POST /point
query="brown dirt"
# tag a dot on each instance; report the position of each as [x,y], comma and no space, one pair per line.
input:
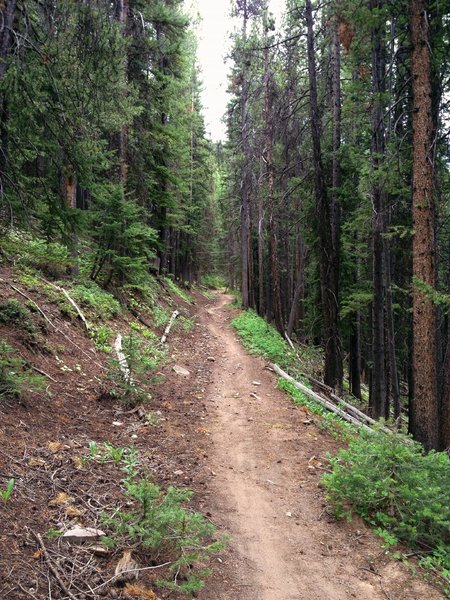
[253,463]
[267,460]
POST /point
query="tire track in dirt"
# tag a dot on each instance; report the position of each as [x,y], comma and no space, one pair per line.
[266,493]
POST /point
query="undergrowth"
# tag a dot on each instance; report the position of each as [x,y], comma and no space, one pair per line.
[16,314]
[51,258]
[143,356]
[15,378]
[395,486]
[177,290]
[336,427]
[158,523]
[264,340]
[101,304]
[214,281]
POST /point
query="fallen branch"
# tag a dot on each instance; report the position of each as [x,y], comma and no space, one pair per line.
[123,364]
[43,373]
[289,341]
[169,326]
[326,403]
[38,308]
[137,570]
[52,567]
[72,302]
[355,411]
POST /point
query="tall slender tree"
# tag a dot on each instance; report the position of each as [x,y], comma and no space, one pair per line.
[424,409]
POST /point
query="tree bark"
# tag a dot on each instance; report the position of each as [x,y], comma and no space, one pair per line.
[328,281]
[444,416]
[245,171]
[424,416]
[7,13]
[122,16]
[378,395]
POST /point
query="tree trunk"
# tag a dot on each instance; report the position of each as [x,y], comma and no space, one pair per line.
[328,282]
[424,418]
[245,172]
[378,396]
[122,17]
[444,416]
[390,333]
[336,181]
[7,20]
[297,312]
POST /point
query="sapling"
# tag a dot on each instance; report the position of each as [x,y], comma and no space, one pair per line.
[6,493]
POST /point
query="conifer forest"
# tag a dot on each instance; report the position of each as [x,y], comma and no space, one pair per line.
[319,228]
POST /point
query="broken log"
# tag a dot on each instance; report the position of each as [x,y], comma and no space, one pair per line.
[169,326]
[322,401]
[339,401]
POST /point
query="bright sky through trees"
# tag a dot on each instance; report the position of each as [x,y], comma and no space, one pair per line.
[213,45]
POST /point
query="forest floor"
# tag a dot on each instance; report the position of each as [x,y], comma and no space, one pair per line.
[253,460]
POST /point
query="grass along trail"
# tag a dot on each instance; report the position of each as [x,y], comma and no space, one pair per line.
[266,462]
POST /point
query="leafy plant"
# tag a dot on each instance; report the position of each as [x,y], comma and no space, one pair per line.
[52,533]
[6,493]
[395,486]
[185,324]
[101,336]
[261,338]
[52,258]
[160,316]
[101,304]
[214,282]
[143,357]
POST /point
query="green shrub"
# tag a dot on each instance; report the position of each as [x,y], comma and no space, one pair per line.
[390,482]
[101,336]
[160,524]
[15,378]
[214,282]
[143,356]
[51,258]
[175,289]
[13,312]
[160,316]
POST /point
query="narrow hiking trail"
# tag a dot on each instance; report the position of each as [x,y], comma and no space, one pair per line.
[266,460]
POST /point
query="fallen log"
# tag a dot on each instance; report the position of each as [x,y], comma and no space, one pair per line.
[123,364]
[72,302]
[322,401]
[355,411]
[169,326]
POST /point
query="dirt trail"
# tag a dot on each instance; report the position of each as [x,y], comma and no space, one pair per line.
[266,464]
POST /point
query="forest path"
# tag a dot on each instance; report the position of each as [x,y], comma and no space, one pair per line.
[266,467]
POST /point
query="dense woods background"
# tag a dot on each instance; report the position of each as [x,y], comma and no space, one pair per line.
[103,144]
[338,129]
[328,205]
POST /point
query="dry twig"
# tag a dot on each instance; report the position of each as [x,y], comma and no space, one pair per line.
[52,567]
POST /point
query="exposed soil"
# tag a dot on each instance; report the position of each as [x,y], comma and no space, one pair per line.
[267,460]
[253,460]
